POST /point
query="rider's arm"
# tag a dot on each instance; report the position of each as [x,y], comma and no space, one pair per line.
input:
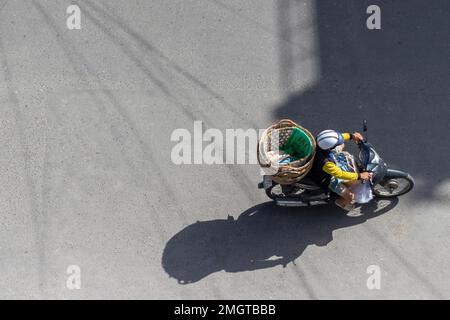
[332,169]
[353,136]
[347,136]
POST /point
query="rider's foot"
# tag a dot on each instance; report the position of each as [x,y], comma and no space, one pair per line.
[345,206]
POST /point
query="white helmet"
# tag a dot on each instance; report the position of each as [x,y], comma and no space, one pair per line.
[328,139]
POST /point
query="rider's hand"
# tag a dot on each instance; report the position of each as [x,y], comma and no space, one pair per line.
[357,136]
[365,175]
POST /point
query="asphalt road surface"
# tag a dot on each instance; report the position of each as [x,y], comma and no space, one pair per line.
[92,205]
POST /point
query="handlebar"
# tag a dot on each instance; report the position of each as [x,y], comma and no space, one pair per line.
[370,178]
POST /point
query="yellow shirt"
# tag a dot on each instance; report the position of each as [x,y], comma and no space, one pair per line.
[332,169]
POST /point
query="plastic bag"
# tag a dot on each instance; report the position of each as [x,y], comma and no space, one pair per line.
[363,191]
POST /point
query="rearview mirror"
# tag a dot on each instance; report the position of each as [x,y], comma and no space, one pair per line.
[364,125]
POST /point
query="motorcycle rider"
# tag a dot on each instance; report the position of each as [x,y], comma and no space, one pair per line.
[326,172]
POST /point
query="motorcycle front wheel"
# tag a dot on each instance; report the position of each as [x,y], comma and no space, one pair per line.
[393,187]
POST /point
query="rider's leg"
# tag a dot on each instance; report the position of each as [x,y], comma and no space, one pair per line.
[345,196]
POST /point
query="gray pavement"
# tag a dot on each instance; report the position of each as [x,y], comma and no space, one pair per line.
[87,178]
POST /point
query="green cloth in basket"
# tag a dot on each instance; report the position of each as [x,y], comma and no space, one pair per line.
[298,145]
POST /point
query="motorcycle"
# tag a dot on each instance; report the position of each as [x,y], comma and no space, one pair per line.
[385,182]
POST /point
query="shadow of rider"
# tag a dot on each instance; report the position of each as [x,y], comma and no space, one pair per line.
[263,236]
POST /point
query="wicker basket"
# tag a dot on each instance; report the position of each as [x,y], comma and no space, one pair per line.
[286,173]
